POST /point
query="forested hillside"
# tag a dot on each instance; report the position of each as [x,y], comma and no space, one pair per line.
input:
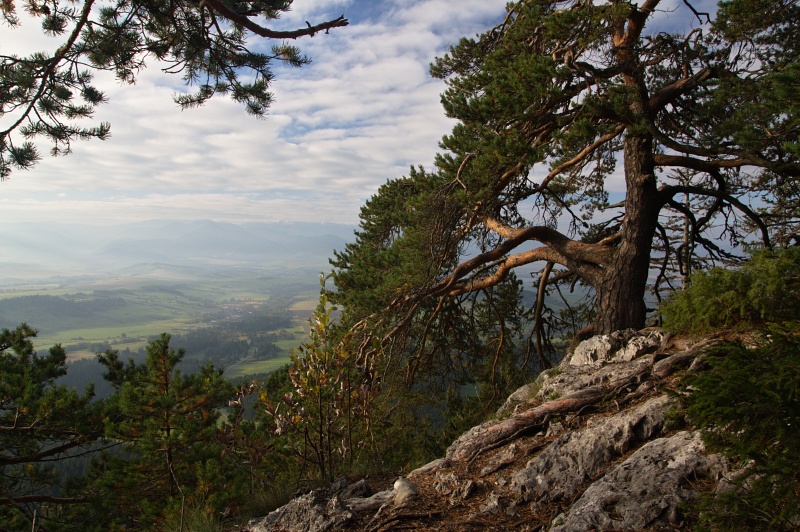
[631,164]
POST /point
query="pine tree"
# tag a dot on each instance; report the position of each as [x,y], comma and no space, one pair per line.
[551,105]
[209,43]
[168,424]
[41,423]
[437,347]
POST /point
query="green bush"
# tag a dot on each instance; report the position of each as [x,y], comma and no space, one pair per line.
[765,289]
[747,405]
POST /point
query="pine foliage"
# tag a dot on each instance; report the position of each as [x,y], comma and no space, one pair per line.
[51,95]
[746,399]
[764,289]
[748,406]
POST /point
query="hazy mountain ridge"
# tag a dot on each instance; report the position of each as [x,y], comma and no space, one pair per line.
[44,249]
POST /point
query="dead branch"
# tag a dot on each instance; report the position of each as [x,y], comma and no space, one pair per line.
[698,13]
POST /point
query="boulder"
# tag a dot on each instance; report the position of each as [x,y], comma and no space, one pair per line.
[564,466]
[315,511]
[645,490]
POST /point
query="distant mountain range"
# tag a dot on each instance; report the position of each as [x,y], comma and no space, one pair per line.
[45,249]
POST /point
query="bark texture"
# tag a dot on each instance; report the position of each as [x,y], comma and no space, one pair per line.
[620,293]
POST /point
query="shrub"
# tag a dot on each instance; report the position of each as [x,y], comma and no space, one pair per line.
[326,417]
[765,289]
[747,405]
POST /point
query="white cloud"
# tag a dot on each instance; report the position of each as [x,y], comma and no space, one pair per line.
[363,112]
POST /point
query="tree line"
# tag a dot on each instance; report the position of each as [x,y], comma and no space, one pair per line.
[160,448]
[601,147]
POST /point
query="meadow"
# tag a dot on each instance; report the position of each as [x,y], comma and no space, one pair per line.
[88,314]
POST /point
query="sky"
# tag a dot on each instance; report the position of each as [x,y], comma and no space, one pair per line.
[362,113]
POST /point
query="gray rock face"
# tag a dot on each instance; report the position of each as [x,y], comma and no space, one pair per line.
[521,396]
[638,345]
[312,512]
[622,346]
[556,442]
[334,508]
[501,459]
[448,484]
[646,489]
[574,458]
[600,360]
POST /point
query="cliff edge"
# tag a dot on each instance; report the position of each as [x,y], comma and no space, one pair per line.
[584,447]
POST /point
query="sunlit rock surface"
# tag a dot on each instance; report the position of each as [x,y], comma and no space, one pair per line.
[584,447]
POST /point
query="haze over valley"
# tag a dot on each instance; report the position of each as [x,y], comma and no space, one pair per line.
[238,295]
[50,250]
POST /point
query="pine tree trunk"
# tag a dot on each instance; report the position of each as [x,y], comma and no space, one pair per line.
[620,294]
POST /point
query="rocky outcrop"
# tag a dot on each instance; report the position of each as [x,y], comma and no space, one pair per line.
[584,447]
[644,490]
[576,457]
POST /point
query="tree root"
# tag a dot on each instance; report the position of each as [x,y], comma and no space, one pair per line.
[488,437]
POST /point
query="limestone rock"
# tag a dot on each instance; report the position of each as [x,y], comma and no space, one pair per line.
[561,441]
[448,484]
[594,351]
[622,346]
[404,489]
[646,489]
[493,504]
[599,349]
[315,511]
[570,379]
[574,458]
[640,344]
[500,460]
[521,396]
[445,483]
[464,491]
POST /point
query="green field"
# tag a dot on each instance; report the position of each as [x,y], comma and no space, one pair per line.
[256,367]
[125,311]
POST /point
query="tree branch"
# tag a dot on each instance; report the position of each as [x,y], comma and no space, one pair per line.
[578,251]
[35,457]
[53,62]
[538,323]
[28,499]
[706,165]
[669,92]
[583,259]
[243,20]
[698,13]
[701,165]
[669,191]
[588,150]
[505,267]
